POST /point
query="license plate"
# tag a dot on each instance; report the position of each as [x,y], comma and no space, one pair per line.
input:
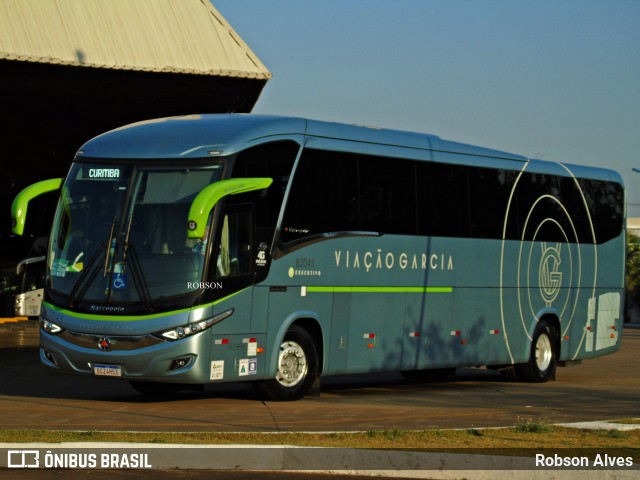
[107,370]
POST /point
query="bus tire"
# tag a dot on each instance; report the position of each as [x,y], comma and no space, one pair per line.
[297,368]
[155,389]
[542,363]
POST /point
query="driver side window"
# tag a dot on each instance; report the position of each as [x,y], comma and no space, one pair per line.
[236,240]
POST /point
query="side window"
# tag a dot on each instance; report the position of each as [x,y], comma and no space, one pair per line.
[489,190]
[538,201]
[387,195]
[552,208]
[443,200]
[270,160]
[348,192]
[323,197]
[236,244]
[606,205]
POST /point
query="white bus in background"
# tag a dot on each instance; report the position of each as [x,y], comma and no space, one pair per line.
[31,272]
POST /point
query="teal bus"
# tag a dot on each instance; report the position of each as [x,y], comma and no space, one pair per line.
[225,248]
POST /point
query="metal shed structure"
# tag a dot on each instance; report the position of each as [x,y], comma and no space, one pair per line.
[170,36]
[72,69]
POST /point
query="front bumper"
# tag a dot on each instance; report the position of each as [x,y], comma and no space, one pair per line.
[152,361]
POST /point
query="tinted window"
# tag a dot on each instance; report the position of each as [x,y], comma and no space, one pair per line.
[443,200]
[606,201]
[272,160]
[552,208]
[323,196]
[387,195]
[345,192]
[489,191]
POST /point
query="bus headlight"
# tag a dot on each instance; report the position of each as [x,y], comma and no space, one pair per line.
[181,332]
[50,327]
[193,328]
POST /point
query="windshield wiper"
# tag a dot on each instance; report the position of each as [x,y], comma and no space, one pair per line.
[138,278]
[83,280]
[136,272]
[110,248]
[89,272]
[125,248]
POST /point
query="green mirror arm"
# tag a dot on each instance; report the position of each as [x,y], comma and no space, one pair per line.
[211,194]
[21,202]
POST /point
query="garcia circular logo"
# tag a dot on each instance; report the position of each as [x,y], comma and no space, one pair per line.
[546,261]
[549,274]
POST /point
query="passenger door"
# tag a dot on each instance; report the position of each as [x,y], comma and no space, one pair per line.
[231,265]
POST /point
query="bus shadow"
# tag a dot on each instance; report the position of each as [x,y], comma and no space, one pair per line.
[23,376]
[363,382]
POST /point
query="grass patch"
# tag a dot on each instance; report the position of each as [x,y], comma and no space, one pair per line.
[523,435]
[627,421]
[529,426]
[616,434]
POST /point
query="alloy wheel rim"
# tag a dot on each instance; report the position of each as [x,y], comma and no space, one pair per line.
[292,364]
[544,352]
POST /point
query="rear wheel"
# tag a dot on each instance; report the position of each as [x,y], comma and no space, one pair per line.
[541,366]
[297,368]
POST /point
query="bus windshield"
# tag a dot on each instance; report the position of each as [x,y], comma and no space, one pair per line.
[120,233]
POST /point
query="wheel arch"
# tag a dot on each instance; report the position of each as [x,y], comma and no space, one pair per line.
[551,316]
[542,359]
[554,321]
[312,326]
[307,320]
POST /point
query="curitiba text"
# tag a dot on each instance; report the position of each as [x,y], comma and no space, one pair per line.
[104,173]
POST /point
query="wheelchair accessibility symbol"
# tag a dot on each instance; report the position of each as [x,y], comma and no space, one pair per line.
[119,281]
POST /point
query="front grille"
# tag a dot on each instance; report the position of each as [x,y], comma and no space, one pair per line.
[116,342]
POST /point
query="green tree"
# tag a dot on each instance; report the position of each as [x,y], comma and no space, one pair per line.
[632,277]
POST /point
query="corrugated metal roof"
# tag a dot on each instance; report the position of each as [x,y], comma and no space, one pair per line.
[182,36]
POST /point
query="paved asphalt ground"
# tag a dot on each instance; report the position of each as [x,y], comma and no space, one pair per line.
[603,388]
[599,389]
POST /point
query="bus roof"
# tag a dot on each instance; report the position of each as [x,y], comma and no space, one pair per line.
[199,136]
[194,136]
[191,136]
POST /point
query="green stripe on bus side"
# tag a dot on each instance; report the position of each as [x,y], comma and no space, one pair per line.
[312,289]
[114,318]
[316,289]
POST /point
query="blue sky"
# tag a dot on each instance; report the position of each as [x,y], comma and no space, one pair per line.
[551,79]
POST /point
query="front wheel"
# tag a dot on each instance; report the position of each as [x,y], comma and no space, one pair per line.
[297,368]
[541,366]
